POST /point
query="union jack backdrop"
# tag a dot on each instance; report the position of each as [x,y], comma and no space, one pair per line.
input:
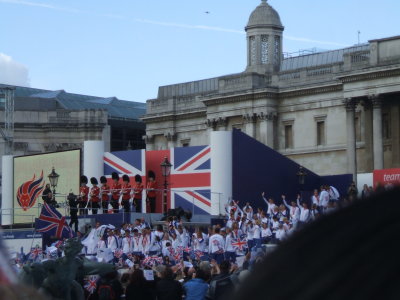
[53,223]
[129,162]
[191,178]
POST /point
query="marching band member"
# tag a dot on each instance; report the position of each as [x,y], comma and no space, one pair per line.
[105,191]
[304,212]
[137,243]
[266,233]
[83,196]
[183,236]
[230,251]
[323,199]
[216,246]
[270,204]
[116,192]
[146,240]
[112,241]
[137,193]
[294,211]
[126,193]
[94,196]
[127,243]
[257,234]
[151,191]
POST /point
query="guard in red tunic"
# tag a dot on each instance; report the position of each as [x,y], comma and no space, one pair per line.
[126,193]
[105,191]
[137,193]
[94,196]
[83,196]
[151,191]
[116,192]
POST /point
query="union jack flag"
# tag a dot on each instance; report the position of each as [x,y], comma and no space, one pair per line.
[53,223]
[35,252]
[129,162]
[239,243]
[118,253]
[191,179]
[198,254]
[91,283]
[187,249]
[151,261]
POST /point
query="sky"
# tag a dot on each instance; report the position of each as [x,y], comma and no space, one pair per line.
[128,48]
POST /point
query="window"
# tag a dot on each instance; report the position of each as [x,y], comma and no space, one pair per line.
[321,133]
[264,49]
[277,49]
[288,136]
[252,50]
[386,130]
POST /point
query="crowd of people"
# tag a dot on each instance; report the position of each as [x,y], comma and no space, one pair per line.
[197,263]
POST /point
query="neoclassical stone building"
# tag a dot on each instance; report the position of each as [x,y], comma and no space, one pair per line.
[334,112]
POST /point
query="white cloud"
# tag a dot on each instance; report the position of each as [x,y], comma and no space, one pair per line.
[12,72]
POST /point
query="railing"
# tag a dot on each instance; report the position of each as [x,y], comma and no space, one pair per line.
[202,197]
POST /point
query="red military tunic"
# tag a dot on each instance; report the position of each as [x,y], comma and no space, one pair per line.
[151,186]
[126,191]
[84,193]
[94,194]
[105,190]
[138,189]
[116,187]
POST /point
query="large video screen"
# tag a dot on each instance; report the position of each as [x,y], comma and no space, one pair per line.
[31,176]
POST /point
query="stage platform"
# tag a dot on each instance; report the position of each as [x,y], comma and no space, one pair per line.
[152,219]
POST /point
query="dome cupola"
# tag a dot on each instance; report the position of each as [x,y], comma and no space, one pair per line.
[264,40]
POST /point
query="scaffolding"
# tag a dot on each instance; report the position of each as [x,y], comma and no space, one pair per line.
[7,131]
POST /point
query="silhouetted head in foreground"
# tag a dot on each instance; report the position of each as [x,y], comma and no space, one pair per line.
[350,254]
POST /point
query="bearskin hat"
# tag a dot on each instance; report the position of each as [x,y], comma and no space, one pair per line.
[151,174]
[93,180]
[103,179]
[114,176]
[84,179]
[125,178]
[138,178]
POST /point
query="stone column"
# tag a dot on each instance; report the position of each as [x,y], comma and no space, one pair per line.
[395,134]
[149,140]
[377,131]
[350,105]
[210,123]
[267,128]
[222,123]
[171,138]
[250,124]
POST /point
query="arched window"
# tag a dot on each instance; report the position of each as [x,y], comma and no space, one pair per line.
[252,41]
[264,49]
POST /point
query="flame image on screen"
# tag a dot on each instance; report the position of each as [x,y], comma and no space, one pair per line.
[29,191]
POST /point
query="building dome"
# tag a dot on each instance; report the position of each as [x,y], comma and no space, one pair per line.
[264,16]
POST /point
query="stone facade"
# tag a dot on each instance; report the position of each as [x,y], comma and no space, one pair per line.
[334,112]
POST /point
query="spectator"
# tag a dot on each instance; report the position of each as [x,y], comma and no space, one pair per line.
[168,288]
[138,288]
[221,284]
[196,288]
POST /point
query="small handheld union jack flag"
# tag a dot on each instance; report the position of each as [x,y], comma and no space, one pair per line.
[35,253]
[187,250]
[239,244]
[118,253]
[198,254]
[52,222]
[91,283]
[151,261]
